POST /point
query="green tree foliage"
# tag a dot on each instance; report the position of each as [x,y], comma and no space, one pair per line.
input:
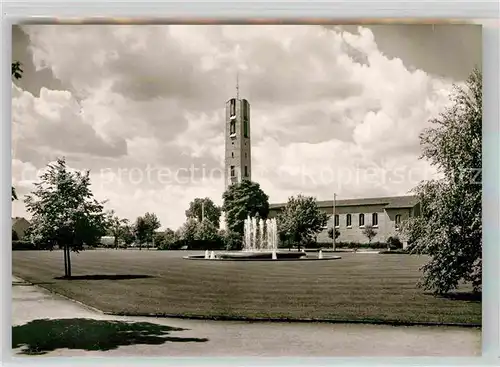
[166,240]
[128,235]
[200,207]
[450,228]
[242,200]
[141,231]
[17,71]
[145,228]
[64,211]
[189,229]
[369,232]
[117,227]
[206,231]
[330,233]
[152,225]
[232,240]
[300,220]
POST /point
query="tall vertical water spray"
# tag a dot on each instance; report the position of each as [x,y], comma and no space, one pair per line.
[265,240]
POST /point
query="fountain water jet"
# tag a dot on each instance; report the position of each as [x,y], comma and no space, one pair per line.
[260,242]
[267,239]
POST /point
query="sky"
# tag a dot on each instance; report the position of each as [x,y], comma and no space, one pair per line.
[334,109]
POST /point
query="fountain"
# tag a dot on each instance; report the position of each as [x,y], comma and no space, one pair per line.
[260,242]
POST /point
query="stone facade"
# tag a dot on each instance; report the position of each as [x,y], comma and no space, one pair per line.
[238,162]
[385,211]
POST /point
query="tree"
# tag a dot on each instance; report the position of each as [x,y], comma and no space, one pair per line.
[152,224]
[232,240]
[369,232]
[242,200]
[17,71]
[140,231]
[128,235]
[64,211]
[449,228]
[330,233]
[116,227]
[301,219]
[188,230]
[201,208]
[206,231]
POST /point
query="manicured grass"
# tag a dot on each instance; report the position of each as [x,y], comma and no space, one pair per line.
[358,287]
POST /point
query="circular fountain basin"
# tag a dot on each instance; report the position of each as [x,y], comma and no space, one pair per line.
[259,256]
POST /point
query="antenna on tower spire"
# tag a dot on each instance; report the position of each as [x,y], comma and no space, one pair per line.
[237,85]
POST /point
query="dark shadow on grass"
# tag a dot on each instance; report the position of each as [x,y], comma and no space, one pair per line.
[42,336]
[463,296]
[460,296]
[105,277]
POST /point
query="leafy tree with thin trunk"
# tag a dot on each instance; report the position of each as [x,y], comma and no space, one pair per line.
[141,231]
[17,73]
[152,225]
[204,207]
[128,234]
[206,231]
[64,211]
[330,233]
[188,230]
[116,227]
[369,232]
[242,200]
[449,227]
[301,220]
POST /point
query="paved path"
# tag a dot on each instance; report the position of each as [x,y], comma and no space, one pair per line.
[212,338]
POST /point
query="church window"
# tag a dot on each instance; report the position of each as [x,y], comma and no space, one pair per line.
[348,220]
[232,128]
[361,220]
[375,219]
[398,221]
[232,171]
[246,171]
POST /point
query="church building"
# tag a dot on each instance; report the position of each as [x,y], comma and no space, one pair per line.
[350,216]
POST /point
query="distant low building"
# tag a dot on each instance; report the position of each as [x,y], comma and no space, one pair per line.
[20,225]
[107,241]
[385,214]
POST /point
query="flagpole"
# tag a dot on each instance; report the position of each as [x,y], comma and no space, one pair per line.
[334,227]
[202,210]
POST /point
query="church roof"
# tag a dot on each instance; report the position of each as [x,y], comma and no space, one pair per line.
[390,202]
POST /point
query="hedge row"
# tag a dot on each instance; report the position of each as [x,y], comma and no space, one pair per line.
[20,245]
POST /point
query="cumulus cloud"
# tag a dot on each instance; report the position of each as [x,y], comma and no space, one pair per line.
[143,108]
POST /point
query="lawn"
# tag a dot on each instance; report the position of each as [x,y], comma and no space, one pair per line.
[358,287]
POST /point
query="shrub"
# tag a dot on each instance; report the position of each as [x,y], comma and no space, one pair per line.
[394,243]
[20,245]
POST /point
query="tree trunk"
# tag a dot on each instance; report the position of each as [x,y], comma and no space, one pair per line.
[69,262]
[65,261]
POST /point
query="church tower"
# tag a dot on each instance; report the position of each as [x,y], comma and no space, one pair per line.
[238,148]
